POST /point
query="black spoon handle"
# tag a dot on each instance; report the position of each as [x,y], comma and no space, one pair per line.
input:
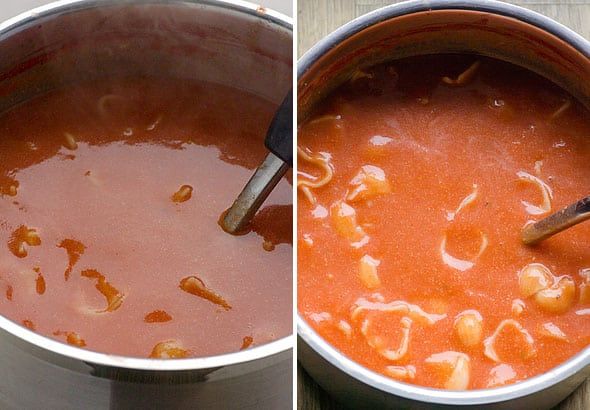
[279,138]
[536,232]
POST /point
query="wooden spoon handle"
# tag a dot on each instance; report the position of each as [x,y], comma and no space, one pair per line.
[536,232]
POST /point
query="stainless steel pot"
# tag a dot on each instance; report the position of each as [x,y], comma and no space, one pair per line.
[229,42]
[484,27]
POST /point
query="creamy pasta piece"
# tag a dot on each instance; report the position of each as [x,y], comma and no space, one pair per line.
[455,368]
[344,221]
[183,194]
[501,375]
[195,286]
[21,238]
[368,272]
[546,192]
[114,297]
[401,372]
[72,338]
[306,182]
[469,327]
[524,349]
[458,263]
[552,331]
[369,182]
[169,349]
[465,202]
[74,249]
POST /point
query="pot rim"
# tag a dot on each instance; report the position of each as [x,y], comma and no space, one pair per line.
[375,380]
[276,347]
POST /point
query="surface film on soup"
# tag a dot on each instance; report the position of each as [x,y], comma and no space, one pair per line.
[110,195]
[415,179]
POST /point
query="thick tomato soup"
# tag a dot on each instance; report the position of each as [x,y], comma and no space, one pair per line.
[110,196]
[415,179]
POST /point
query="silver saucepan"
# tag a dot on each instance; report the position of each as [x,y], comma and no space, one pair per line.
[224,41]
[484,27]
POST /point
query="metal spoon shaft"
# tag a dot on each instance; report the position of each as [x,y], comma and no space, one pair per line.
[536,232]
[266,177]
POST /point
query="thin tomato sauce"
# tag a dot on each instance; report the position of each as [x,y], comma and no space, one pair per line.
[413,190]
[110,196]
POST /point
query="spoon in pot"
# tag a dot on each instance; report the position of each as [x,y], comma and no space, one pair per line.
[279,141]
[535,232]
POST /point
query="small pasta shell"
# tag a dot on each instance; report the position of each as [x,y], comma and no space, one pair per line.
[401,372]
[558,298]
[457,365]
[368,272]
[368,183]
[468,327]
[489,343]
[169,349]
[70,142]
[533,278]
[183,194]
[500,375]
[517,307]
[343,218]
[72,338]
[585,286]
[552,331]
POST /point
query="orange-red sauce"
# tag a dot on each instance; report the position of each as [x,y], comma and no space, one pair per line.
[399,276]
[99,232]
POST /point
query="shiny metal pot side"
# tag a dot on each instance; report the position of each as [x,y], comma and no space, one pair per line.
[230,42]
[484,27]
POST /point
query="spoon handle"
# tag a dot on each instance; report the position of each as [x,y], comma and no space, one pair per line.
[535,232]
[266,177]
